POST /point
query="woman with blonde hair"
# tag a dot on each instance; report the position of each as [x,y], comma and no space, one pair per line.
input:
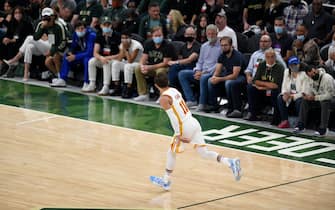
[175,25]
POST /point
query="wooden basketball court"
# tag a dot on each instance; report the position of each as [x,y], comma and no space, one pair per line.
[52,161]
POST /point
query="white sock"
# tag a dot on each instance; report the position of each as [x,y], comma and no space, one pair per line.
[225,161]
[166,177]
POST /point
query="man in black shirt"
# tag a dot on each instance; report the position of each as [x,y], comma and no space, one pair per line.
[157,53]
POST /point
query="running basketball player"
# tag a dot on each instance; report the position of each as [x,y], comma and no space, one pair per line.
[186,130]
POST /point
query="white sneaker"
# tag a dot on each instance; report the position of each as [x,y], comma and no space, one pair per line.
[235,166]
[157,101]
[85,86]
[89,88]
[104,91]
[54,80]
[58,83]
[160,182]
[142,98]
[191,104]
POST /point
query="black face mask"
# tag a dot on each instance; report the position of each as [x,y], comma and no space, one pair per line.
[315,77]
[189,39]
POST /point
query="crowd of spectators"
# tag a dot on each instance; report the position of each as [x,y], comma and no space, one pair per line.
[262,56]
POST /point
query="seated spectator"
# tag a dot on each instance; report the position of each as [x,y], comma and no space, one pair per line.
[80,52]
[175,25]
[117,12]
[17,31]
[89,12]
[224,30]
[272,10]
[127,61]
[49,39]
[106,49]
[253,13]
[201,28]
[227,78]
[319,23]
[203,70]
[318,94]
[258,57]
[294,14]
[151,20]
[281,40]
[130,23]
[157,53]
[299,40]
[294,83]
[267,85]
[187,58]
[330,63]
[311,53]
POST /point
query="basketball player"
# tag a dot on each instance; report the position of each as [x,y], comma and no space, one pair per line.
[186,130]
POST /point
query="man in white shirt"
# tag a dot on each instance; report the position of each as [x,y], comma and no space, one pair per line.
[224,30]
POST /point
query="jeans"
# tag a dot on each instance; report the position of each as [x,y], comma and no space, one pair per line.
[186,78]
[173,74]
[283,109]
[231,88]
[66,65]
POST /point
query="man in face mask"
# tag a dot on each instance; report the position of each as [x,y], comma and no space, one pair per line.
[187,57]
[281,41]
[157,53]
[228,78]
[81,51]
[266,87]
[106,49]
[203,70]
[318,94]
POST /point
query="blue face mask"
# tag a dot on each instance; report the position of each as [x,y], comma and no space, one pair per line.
[279,30]
[157,39]
[106,30]
[80,34]
[301,37]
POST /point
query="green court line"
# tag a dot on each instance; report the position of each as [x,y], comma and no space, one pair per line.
[151,119]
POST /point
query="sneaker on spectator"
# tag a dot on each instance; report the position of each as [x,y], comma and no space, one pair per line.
[284,124]
[104,91]
[191,104]
[321,132]
[299,128]
[235,114]
[58,83]
[89,88]
[85,85]
[251,117]
[142,98]
[200,107]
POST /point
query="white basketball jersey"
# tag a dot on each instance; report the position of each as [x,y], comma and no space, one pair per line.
[179,106]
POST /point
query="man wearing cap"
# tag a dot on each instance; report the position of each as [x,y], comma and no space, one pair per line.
[49,39]
[318,94]
[106,49]
[224,30]
[294,82]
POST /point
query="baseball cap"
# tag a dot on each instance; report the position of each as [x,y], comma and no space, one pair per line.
[105,19]
[222,13]
[293,60]
[47,12]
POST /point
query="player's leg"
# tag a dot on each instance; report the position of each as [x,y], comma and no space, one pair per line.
[165,181]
